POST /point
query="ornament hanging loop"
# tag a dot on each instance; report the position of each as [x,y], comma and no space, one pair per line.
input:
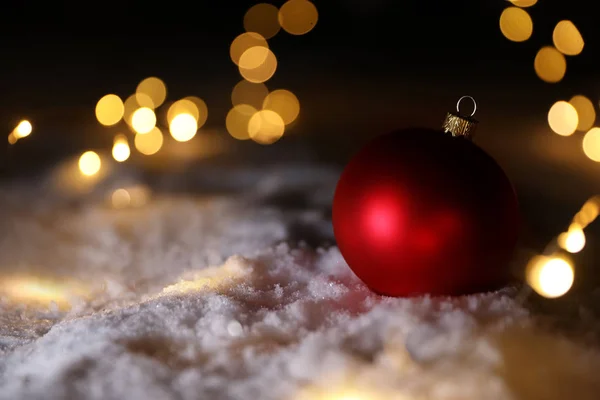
[459,124]
[460,101]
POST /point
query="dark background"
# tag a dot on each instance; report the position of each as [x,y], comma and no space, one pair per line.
[368,67]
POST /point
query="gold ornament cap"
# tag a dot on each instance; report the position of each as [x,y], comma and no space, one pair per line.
[459,124]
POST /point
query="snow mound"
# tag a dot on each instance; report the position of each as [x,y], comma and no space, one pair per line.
[219,297]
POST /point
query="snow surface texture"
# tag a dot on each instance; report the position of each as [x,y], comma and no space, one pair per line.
[217,297]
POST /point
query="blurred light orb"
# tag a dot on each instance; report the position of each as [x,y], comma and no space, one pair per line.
[244,42]
[263,19]
[149,143]
[237,121]
[574,239]
[130,196]
[556,277]
[284,103]
[563,118]
[201,110]
[89,163]
[254,57]
[23,129]
[109,110]
[550,65]
[550,277]
[140,195]
[588,213]
[186,106]
[516,24]
[266,127]
[143,120]
[567,39]
[523,3]
[152,88]
[258,64]
[250,93]
[143,100]
[183,127]
[591,144]
[585,112]
[12,139]
[135,102]
[120,150]
[120,198]
[298,17]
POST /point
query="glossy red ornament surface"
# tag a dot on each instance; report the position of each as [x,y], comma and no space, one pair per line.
[419,211]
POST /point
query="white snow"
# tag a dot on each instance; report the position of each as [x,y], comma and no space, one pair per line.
[216,297]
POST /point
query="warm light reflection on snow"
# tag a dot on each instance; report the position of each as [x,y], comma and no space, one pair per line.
[36,291]
[343,393]
[212,277]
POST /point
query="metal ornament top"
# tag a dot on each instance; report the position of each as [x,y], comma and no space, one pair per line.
[459,124]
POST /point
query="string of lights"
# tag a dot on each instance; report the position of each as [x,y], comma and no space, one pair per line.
[552,273]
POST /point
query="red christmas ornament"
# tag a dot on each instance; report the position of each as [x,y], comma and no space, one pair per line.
[421,211]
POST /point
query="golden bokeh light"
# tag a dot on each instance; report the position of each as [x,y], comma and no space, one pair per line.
[149,143]
[12,139]
[89,163]
[258,64]
[585,112]
[143,120]
[120,198]
[573,240]
[298,16]
[550,277]
[144,101]
[140,195]
[523,3]
[567,39]
[183,127]
[591,144]
[189,105]
[201,110]
[130,196]
[563,118]
[253,94]
[237,121]
[516,24]
[266,127]
[550,65]
[262,19]
[588,213]
[135,102]
[152,88]
[120,150]
[284,103]
[254,57]
[23,129]
[68,179]
[244,42]
[109,110]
